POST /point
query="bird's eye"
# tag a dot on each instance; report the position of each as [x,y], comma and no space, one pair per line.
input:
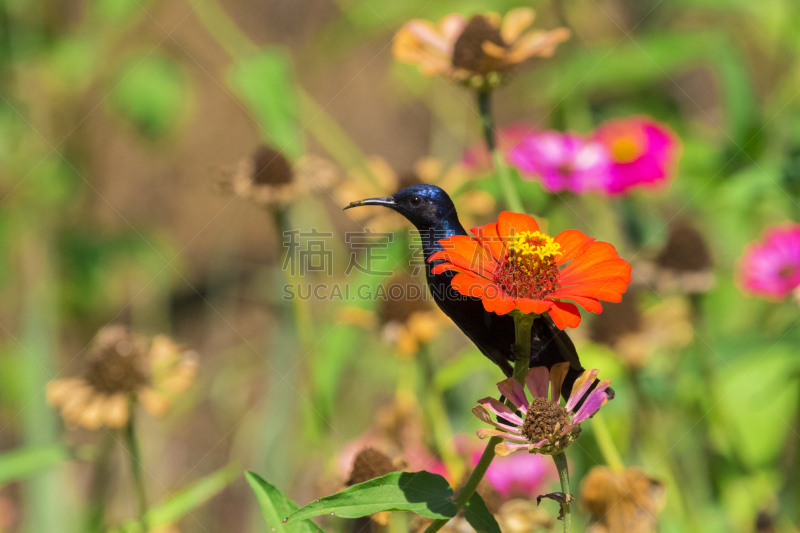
[415,200]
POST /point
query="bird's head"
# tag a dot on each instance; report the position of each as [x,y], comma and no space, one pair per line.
[423,205]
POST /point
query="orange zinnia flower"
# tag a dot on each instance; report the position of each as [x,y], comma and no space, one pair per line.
[510,264]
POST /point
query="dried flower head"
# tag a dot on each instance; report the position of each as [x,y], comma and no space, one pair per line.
[545,426]
[268,178]
[368,464]
[478,51]
[407,319]
[622,502]
[634,335]
[122,368]
[684,264]
[523,516]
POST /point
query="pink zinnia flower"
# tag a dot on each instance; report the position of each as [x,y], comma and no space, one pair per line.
[519,475]
[545,426]
[771,268]
[477,156]
[562,161]
[642,152]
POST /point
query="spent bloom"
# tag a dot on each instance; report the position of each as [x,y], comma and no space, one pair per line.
[684,264]
[408,320]
[269,179]
[642,152]
[478,51]
[123,368]
[510,264]
[770,268]
[562,161]
[545,426]
[627,501]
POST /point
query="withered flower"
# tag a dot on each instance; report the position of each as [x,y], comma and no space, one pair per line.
[479,51]
[622,502]
[369,464]
[268,178]
[123,368]
[634,335]
[407,319]
[523,516]
[684,264]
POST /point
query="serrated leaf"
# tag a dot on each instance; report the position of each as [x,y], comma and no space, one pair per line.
[264,83]
[24,462]
[275,507]
[479,517]
[426,494]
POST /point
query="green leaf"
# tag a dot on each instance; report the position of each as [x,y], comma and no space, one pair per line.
[479,516]
[264,82]
[276,507]
[182,503]
[423,493]
[24,462]
[152,93]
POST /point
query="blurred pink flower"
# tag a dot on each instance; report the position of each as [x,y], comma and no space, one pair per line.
[477,156]
[771,268]
[518,475]
[642,152]
[562,161]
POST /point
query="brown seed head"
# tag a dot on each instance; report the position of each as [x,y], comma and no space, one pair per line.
[369,464]
[270,167]
[468,49]
[411,301]
[116,361]
[542,418]
[686,250]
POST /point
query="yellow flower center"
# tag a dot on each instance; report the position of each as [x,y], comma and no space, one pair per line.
[626,149]
[529,270]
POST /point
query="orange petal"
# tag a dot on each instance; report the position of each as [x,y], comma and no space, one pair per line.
[615,268]
[597,252]
[590,304]
[610,291]
[565,315]
[528,305]
[573,244]
[469,284]
[515,22]
[490,238]
[509,224]
[466,253]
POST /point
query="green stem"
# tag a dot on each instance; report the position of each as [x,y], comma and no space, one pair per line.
[606,443]
[484,106]
[522,332]
[99,488]
[563,477]
[132,443]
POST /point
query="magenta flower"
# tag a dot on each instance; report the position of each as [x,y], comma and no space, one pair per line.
[562,161]
[519,475]
[771,268]
[642,152]
[545,426]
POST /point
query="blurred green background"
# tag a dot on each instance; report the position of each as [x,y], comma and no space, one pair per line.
[116,114]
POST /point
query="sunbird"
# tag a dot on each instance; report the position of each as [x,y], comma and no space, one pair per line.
[433,213]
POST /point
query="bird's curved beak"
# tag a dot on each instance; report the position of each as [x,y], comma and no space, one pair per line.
[386,202]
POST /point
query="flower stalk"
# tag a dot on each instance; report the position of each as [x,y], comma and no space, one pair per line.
[563,476]
[137,472]
[487,122]
[522,330]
